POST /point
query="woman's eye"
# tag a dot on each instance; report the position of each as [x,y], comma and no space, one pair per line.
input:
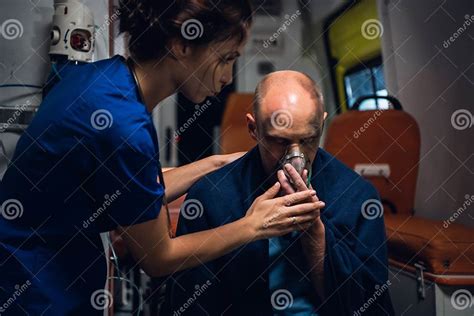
[227,60]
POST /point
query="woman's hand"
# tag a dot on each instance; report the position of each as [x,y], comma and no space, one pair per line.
[271,216]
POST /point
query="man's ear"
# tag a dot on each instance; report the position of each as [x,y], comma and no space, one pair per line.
[252,126]
[325,115]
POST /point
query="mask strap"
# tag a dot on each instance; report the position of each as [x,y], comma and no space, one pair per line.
[308,180]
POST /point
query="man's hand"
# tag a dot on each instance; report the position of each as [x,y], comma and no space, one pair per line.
[313,239]
[297,184]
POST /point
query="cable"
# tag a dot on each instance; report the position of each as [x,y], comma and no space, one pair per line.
[20,86]
[115,262]
[2,147]
[140,304]
[55,70]
[114,257]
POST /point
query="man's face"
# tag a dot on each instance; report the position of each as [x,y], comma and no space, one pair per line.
[286,121]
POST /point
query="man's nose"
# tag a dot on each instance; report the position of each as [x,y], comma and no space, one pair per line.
[293,147]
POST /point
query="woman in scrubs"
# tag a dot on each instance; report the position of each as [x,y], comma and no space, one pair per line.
[89,163]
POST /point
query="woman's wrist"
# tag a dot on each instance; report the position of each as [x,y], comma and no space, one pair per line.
[247,230]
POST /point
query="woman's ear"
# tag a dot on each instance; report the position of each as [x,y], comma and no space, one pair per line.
[252,126]
[178,49]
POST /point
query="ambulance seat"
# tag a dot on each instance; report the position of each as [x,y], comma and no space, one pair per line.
[174,208]
[384,147]
[234,135]
[446,249]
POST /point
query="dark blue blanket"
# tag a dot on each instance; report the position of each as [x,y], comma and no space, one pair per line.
[237,284]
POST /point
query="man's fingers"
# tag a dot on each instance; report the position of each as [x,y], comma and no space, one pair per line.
[305,179]
[305,220]
[287,188]
[296,197]
[285,184]
[272,192]
[305,226]
[298,182]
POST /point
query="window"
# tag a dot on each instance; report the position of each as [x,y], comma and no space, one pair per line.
[367,80]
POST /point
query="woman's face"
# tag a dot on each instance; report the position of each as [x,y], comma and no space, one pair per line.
[207,70]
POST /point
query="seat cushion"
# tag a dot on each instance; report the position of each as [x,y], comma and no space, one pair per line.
[443,247]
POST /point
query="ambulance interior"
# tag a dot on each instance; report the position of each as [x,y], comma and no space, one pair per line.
[397,81]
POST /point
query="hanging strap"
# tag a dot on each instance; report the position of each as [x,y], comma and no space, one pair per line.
[160,172]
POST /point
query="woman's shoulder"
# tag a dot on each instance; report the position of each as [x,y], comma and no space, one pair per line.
[102,97]
[110,92]
[109,77]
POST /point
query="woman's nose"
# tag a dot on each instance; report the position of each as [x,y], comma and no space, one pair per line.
[226,80]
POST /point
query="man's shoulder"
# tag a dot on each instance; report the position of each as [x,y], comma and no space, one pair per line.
[229,175]
[337,173]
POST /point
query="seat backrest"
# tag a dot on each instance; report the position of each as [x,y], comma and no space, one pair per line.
[371,142]
[234,134]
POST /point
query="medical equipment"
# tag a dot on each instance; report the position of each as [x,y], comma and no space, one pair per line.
[72,40]
[295,157]
[72,34]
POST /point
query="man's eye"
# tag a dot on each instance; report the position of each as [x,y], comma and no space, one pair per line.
[279,141]
[309,140]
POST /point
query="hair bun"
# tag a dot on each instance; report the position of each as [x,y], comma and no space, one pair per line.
[151,24]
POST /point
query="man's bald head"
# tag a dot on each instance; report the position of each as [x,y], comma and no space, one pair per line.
[287,82]
[288,113]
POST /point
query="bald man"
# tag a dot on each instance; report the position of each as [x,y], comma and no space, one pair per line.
[333,267]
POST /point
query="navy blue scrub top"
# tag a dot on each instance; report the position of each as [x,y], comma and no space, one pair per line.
[87,164]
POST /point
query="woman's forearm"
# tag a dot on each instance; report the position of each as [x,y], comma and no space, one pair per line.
[158,254]
[179,180]
[191,250]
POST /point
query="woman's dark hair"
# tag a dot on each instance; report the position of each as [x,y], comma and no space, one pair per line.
[151,24]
